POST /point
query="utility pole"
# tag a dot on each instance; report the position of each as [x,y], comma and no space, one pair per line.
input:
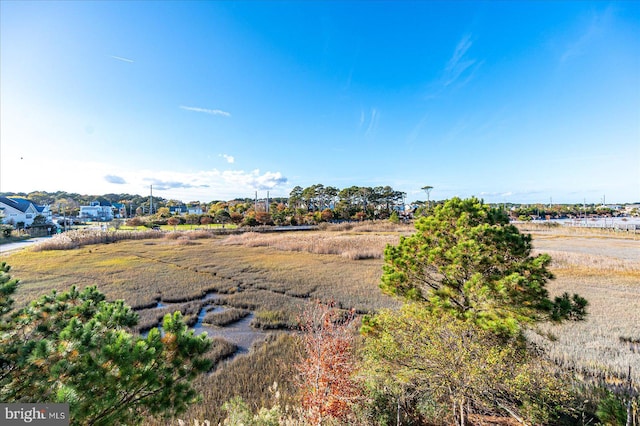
[151,201]
[267,205]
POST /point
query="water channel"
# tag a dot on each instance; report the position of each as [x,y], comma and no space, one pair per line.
[240,332]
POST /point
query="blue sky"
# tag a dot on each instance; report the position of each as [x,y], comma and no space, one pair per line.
[508,101]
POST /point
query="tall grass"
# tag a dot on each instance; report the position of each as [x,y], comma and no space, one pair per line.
[277,275]
[83,237]
[78,238]
[249,376]
[343,243]
[576,231]
[606,271]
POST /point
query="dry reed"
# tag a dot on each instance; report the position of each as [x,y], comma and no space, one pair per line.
[347,244]
[605,269]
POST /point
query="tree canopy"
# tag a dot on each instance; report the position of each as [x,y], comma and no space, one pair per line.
[467,260]
[441,369]
[75,347]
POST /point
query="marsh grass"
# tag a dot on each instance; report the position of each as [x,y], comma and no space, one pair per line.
[78,238]
[576,231]
[273,320]
[226,317]
[221,350]
[606,271]
[84,237]
[365,240]
[277,275]
[249,376]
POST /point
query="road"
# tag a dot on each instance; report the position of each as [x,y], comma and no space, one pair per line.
[19,245]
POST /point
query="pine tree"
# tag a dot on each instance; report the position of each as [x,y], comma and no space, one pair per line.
[76,347]
[467,260]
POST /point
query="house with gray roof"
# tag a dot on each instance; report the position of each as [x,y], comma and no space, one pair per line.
[15,210]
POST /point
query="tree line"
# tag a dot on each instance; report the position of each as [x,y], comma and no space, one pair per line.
[311,205]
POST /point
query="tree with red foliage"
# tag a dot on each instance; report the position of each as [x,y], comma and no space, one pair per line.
[206,220]
[327,384]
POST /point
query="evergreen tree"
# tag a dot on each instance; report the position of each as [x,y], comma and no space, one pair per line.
[76,347]
[467,260]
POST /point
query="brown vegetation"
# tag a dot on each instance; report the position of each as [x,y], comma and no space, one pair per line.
[276,275]
[604,268]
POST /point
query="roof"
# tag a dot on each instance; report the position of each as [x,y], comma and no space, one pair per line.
[21,204]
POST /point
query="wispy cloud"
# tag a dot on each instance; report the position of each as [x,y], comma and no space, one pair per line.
[217,181]
[206,111]
[162,185]
[458,64]
[120,58]
[596,24]
[416,130]
[230,159]
[115,179]
[373,122]
[496,194]
[459,69]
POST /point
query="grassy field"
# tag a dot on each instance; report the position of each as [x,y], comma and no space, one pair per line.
[603,267]
[274,276]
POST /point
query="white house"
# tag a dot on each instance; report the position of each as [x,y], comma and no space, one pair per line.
[15,210]
[95,211]
[195,210]
[45,211]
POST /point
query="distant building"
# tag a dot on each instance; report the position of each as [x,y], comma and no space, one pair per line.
[178,210]
[96,211]
[182,210]
[120,210]
[15,210]
[194,210]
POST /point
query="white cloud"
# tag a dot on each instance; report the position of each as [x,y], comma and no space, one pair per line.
[230,159]
[206,111]
[101,178]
